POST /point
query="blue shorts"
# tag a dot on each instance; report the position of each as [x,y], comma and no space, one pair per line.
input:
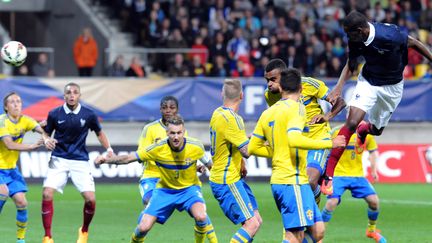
[13,180]
[164,201]
[146,186]
[318,159]
[359,187]
[297,205]
[236,200]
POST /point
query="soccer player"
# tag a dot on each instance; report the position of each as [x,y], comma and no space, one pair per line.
[179,186]
[349,176]
[384,48]
[229,143]
[318,126]
[71,123]
[13,126]
[281,126]
[153,133]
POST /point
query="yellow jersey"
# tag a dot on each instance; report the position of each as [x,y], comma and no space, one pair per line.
[177,169]
[151,133]
[312,91]
[350,163]
[16,130]
[227,136]
[288,164]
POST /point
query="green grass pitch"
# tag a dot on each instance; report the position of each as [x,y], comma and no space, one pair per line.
[405,216]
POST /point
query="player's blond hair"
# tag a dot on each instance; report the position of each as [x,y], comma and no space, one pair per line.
[231,89]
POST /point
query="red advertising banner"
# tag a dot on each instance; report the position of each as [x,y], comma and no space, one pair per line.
[402,163]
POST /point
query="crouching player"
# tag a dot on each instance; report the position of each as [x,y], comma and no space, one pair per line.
[349,176]
[179,187]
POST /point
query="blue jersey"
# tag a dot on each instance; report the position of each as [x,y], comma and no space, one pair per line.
[71,129]
[386,55]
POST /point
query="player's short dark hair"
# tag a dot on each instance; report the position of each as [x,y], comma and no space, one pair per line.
[175,120]
[6,97]
[290,80]
[169,98]
[72,84]
[355,20]
[276,63]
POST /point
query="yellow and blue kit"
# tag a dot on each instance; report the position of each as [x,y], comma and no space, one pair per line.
[9,173]
[349,173]
[281,126]
[227,136]
[179,187]
[313,90]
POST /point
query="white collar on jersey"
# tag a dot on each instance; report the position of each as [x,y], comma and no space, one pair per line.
[371,36]
[67,110]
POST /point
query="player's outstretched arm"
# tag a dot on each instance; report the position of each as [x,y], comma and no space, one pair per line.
[116,159]
[420,48]
[336,108]
[103,140]
[49,142]
[345,75]
[11,145]
[297,140]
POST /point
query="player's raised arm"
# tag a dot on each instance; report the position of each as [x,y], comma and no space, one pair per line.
[420,48]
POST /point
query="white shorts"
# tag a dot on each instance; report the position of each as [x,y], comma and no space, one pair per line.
[378,101]
[59,169]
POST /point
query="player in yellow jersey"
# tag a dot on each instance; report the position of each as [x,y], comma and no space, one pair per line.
[229,143]
[281,126]
[318,126]
[13,126]
[179,186]
[153,133]
[349,175]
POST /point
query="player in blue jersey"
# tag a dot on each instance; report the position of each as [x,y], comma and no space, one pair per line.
[71,123]
[179,186]
[384,48]
[13,126]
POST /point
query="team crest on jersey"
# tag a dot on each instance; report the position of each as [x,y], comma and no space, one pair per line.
[250,206]
[309,214]
[357,96]
[82,121]
[188,161]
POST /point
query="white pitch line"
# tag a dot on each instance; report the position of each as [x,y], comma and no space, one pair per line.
[403,202]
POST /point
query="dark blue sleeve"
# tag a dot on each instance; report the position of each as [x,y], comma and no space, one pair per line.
[50,126]
[94,123]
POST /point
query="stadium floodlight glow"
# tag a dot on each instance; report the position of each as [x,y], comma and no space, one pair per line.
[6,1]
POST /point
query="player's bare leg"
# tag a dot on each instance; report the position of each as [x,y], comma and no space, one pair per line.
[144,226]
[203,226]
[293,236]
[88,213]
[316,232]
[47,212]
[314,176]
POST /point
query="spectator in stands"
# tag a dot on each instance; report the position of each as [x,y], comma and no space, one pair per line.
[179,68]
[377,14]
[243,69]
[260,68]
[41,67]
[309,62]
[176,40]
[199,49]
[335,68]
[136,69]
[426,17]
[218,48]
[321,70]
[269,20]
[219,68]
[198,68]
[238,46]
[85,53]
[117,68]
[254,22]
[22,71]
[217,13]
[293,60]
[283,33]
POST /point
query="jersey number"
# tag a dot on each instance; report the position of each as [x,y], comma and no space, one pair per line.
[212,141]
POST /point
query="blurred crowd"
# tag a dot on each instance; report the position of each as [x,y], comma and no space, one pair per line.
[237,38]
